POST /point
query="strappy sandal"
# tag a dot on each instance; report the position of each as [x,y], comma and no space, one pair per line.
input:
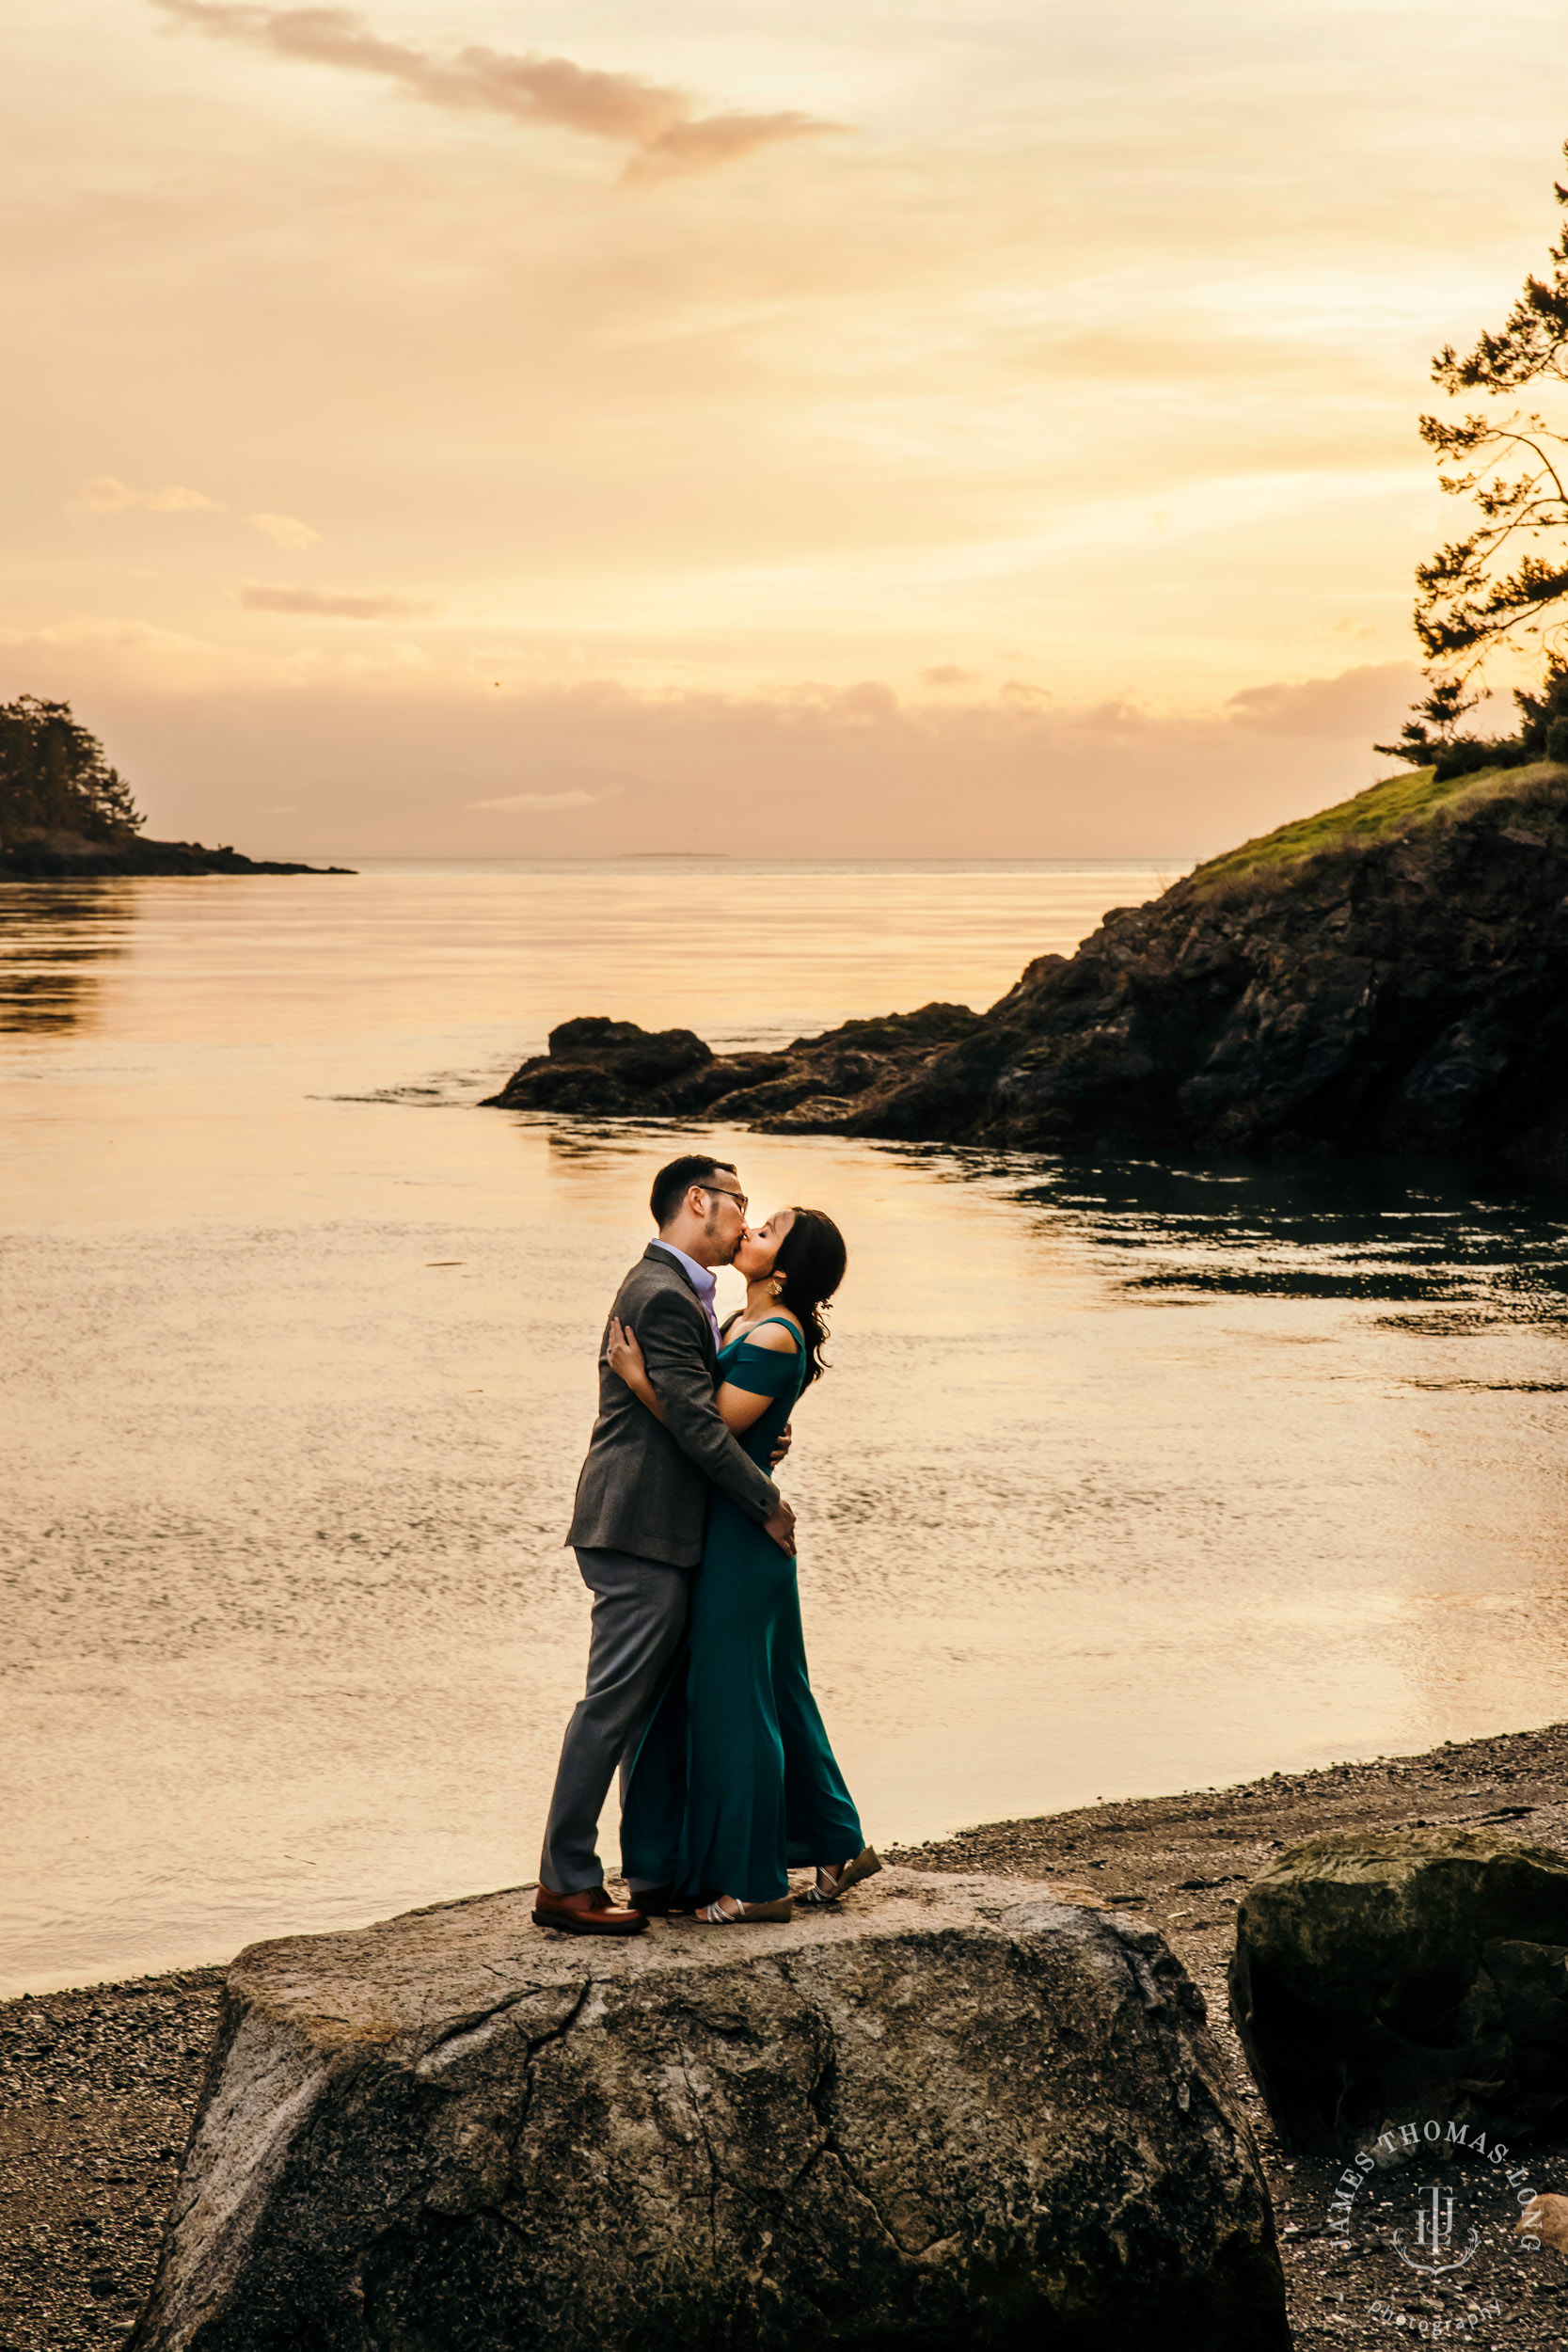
[715,1915]
[865,1866]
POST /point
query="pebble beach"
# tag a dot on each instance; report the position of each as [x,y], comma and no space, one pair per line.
[99,2086]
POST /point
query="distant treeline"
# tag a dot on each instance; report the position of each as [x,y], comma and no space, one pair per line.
[55,779]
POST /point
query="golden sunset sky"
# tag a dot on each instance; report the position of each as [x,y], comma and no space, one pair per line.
[899,430]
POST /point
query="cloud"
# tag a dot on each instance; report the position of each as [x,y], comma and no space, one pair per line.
[544,800]
[284,531]
[660,126]
[105,494]
[706,142]
[257,596]
[101,494]
[398,763]
[1367,699]
[870,699]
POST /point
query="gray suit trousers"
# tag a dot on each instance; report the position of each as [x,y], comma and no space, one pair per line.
[640,1611]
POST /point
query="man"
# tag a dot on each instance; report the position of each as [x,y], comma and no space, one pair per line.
[638,1524]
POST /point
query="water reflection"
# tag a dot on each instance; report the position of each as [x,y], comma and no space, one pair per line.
[1127,1478]
[1476,1253]
[50,935]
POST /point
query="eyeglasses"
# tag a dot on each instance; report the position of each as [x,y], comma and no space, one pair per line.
[740,1199]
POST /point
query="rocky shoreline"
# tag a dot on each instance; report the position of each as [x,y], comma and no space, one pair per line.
[72,857]
[1391,975]
[98,2087]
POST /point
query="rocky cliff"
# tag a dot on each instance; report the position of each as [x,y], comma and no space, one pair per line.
[1392,975]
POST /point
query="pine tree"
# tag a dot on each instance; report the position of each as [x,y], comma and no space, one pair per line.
[55,777]
[1494,588]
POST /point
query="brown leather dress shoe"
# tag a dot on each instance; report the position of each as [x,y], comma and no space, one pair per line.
[591,1913]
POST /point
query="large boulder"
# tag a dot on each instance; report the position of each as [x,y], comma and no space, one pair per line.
[596,1065]
[1404,1974]
[963,2113]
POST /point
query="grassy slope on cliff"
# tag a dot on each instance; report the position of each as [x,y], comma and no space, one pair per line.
[1399,804]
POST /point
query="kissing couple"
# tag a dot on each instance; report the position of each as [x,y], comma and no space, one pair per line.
[697,1685]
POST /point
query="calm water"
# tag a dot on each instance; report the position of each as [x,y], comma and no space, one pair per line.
[1127,1478]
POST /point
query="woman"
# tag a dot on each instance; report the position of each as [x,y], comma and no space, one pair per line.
[734,1778]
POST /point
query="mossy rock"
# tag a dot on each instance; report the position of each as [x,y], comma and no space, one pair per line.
[1410,1973]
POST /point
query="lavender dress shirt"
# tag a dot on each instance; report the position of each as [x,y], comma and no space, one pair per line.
[703,1281]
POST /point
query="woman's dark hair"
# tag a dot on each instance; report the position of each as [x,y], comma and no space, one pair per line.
[810,1264]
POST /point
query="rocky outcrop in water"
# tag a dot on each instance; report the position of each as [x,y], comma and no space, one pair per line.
[1414,1975]
[607,1067]
[964,2112]
[1390,977]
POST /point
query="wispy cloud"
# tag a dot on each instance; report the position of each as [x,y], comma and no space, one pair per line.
[544,800]
[660,125]
[284,531]
[258,596]
[103,494]
[1367,700]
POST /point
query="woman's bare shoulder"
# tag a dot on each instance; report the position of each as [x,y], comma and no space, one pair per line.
[783,1339]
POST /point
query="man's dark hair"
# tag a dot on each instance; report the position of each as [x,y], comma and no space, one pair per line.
[671,1183]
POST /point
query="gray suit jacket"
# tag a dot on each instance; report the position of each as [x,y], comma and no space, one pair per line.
[644,1485]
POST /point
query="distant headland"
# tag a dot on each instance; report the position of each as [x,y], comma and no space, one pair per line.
[1389,976]
[64,813]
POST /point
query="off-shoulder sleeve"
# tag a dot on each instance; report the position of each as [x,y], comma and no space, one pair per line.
[762,1371]
[669,1329]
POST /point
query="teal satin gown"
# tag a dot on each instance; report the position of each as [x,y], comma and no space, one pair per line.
[734,1778]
